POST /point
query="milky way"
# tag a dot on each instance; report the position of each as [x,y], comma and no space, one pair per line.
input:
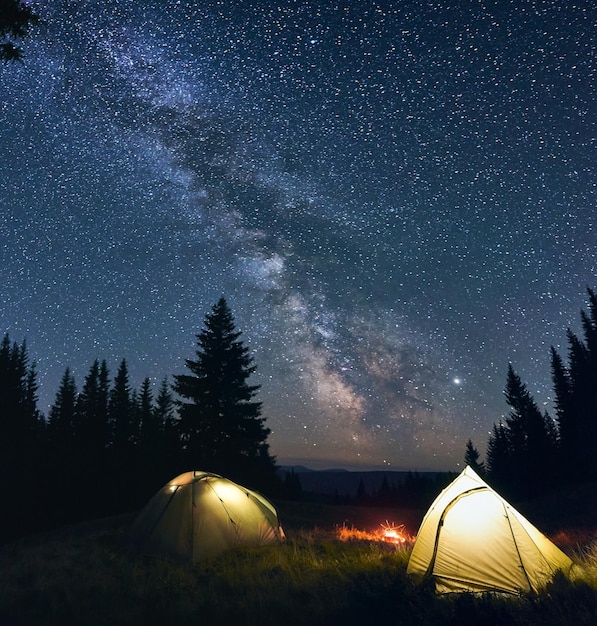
[396,202]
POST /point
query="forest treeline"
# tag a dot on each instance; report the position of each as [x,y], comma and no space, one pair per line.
[529,452]
[106,448]
[411,490]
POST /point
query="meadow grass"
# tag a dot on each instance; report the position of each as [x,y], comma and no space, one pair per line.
[86,575]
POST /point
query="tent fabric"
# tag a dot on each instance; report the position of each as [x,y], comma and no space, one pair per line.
[199,514]
[471,539]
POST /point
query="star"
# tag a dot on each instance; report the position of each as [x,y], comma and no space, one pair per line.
[382,194]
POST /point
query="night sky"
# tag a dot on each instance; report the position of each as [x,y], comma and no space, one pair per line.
[396,199]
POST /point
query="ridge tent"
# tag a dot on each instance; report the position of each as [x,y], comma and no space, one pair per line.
[198,515]
[471,539]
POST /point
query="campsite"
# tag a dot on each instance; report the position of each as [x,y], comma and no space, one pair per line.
[88,574]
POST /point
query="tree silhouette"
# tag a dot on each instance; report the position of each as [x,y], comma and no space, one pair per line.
[499,462]
[21,435]
[61,453]
[21,424]
[16,18]
[91,426]
[149,428]
[220,422]
[522,451]
[62,417]
[122,413]
[471,458]
[528,451]
[575,388]
[166,420]
[569,434]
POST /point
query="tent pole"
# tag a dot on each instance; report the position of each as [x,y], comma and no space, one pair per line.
[440,524]
[517,550]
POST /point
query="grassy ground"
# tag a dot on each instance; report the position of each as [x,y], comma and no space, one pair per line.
[85,575]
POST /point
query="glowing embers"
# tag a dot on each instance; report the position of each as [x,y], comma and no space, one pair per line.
[386,533]
[394,534]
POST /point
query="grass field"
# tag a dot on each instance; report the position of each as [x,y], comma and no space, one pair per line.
[84,574]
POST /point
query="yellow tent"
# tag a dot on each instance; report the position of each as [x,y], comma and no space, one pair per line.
[471,539]
[198,515]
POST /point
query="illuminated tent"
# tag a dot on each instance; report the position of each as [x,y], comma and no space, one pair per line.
[471,539]
[198,515]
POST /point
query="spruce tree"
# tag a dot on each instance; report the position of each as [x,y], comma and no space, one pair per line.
[164,409]
[575,388]
[499,457]
[220,421]
[122,414]
[170,450]
[569,438]
[62,417]
[62,462]
[89,474]
[529,444]
[471,458]
[20,420]
[16,19]
[91,426]
[21,429]
[149,426]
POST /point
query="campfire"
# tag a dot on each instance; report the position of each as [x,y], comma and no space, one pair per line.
[386,533]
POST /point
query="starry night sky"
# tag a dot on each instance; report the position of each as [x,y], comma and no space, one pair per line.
[396,199]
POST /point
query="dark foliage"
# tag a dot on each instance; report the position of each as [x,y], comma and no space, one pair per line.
[575,389]
[220,422]
[528,452]
[522,451]
[21,435]
[16,18]
[413,490]
[471,458]
[107,448]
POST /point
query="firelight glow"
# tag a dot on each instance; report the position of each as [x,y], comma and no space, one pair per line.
[387,532]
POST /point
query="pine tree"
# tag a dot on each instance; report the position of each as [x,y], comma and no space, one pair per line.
[122,413]
[220,421]
[62,455]
[530,444]
[62,417]
[164,408]
[34,416]
[575,388]
[499,457]
[149,426]
[170,448]
[568,437]
[91,425]
[21,423]
[21,429]
[471,458]
[20,420]
[16,18]
[589,324]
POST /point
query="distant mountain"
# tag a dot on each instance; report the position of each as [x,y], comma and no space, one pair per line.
[297,469]
[345,482]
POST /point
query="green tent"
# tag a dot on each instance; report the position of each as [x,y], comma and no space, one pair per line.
[471,539]
[198,515]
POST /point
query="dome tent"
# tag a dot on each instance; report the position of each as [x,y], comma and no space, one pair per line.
[198,515]
[471,539]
